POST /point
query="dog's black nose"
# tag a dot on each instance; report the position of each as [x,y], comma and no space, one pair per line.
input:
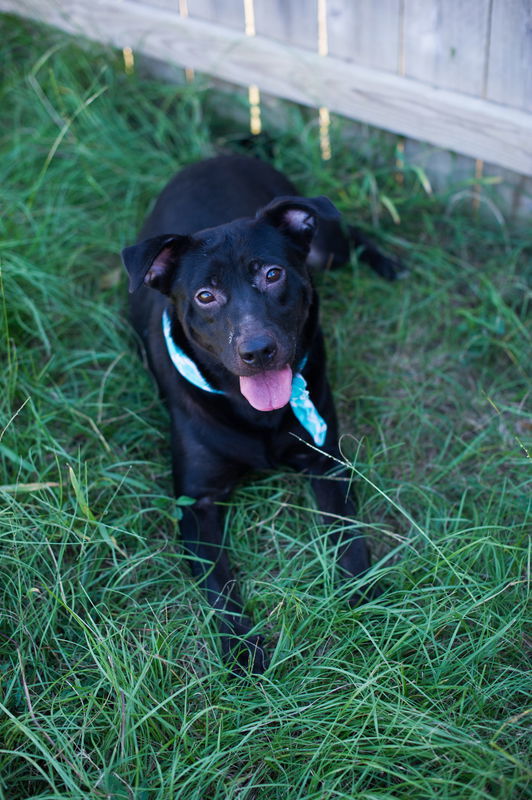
[257,351]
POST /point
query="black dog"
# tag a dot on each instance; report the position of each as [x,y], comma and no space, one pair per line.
[233,338]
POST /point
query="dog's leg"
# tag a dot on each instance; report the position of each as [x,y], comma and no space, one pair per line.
[201,473]
[335,502]
[386,266]
[331,249]
[202,528]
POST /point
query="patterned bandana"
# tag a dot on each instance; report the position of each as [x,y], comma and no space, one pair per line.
[300,402]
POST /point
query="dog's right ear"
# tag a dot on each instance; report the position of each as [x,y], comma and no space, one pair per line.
[154,261]
[298,217]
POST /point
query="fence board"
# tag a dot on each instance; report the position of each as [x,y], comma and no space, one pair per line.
[445,43]
[365,32]
[226,12]
[510,58]
[448,119]
[295,22]
[168,5]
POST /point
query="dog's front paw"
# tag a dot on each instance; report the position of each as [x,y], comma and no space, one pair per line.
[249,655]
[245,654]
[365,594]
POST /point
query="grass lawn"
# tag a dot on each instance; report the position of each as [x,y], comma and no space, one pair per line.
[111,684]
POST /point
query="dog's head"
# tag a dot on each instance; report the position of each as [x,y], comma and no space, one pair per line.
[241,291]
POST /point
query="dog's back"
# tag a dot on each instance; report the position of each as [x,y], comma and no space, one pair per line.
[214,192]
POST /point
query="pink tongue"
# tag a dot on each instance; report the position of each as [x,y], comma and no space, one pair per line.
[268,390]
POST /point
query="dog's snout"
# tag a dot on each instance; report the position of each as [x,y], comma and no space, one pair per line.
[257,351]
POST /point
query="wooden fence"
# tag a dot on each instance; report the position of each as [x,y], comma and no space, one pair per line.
[455,74]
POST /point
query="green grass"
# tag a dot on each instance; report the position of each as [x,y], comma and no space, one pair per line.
[111,683]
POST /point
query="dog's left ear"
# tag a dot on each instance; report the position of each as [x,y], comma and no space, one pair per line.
[154,261]
[299,216]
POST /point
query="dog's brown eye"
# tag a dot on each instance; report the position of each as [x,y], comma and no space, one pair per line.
[273,274]
[205,297]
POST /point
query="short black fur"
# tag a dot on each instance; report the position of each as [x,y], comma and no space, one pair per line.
[227,251]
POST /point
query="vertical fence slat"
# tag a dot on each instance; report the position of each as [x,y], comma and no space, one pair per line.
[445,43]
[509,78]
[291,21]
[229,13]
[168,5]
[365,32]
[294,22]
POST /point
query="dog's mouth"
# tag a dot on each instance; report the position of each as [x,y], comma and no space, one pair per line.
[268,390]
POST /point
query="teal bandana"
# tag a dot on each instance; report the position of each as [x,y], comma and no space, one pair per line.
[300,402]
